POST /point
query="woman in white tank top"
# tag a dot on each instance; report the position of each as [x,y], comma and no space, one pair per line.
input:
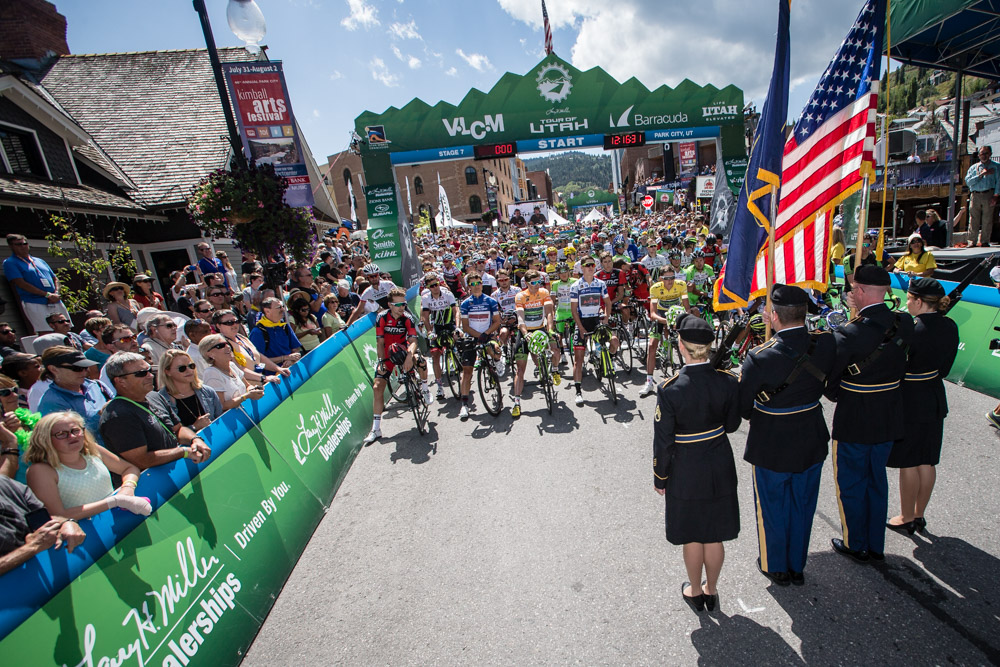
[71,474]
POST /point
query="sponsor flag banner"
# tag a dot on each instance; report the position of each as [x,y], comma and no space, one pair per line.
[723,209]
[443,206]
[753,212]
[827,156]
[267,125]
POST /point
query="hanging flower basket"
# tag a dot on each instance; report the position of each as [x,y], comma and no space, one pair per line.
[248,206]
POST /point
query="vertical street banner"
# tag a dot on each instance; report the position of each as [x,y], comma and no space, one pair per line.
[390,238]
[688,151]
[267,125]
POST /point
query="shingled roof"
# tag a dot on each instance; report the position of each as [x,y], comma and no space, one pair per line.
[155,113]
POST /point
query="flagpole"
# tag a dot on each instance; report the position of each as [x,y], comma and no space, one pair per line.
[770,259]
[880,246]
[862,226]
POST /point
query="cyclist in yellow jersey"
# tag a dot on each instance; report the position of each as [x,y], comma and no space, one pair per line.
[667,292]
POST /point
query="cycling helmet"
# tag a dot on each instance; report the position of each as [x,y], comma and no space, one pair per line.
[478,258]
[538,342]
[673,312]
[669,240]
[522,253]
[370,269]
[674,254]
[602,235]
[569,250]
[698,254]
[397,354]
[551,249]
[711,238]
[448,257]
[756,323]
[562,267]
[690,241]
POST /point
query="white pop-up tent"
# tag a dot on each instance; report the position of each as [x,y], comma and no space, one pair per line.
[453,223]
[594,216]
[556,219]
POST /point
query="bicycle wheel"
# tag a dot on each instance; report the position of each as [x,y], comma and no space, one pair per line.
[608,363]
[397,387]
[489,388]
[624,356]
[545,379]
[453,372]
[417,405]
[640,330]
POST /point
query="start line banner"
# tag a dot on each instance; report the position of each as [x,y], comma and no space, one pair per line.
[194,581]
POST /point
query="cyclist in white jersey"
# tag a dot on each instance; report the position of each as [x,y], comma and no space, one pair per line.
[653,261]
[439,312]
[505,295]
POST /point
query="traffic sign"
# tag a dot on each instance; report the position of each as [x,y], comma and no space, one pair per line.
[647,201]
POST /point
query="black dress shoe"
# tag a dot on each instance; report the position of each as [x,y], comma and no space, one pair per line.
[877,555]
[696,602]
[711,601]
[921,524]
[780,578]
[841,548]
[798,578]
[909,527]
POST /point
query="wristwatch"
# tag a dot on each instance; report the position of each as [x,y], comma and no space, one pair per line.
[10,452]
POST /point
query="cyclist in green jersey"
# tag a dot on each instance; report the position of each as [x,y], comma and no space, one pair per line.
[699,278]
[561,293]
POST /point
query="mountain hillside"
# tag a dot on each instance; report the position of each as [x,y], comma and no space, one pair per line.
[574,171]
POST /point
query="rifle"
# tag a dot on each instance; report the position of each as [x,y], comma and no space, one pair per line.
[739,331]
[956,294]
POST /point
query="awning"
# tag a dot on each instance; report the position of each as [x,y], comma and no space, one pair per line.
[956,35]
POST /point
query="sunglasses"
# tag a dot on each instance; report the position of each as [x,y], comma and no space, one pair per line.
[19,243]
[118,340]
[535,282]
[589,265]
[8,391]
[431,285]
[169,325]
[63,435]
[204,312]
[218,294]
[232,322]
[139,374]
[69,367]
[53,322]
[220,346]
[474,283]
[186,367]
[117,289]
[397,304]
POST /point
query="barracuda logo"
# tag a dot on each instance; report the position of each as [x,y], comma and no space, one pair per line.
[622,120]
[665,119]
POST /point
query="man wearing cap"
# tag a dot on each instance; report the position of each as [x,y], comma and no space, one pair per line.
[693,461]
[34,283]
[781,383]
[865,383]
[70,388]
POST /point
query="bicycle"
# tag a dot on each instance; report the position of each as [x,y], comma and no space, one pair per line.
[488,380]
[668,354]
[747,333]
[410,395]
[538,346]
[451,362]
[599,356]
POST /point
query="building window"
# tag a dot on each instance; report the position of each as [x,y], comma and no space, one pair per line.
[418,185]
[471,176]
[475,204]
[21,154]
[347,176]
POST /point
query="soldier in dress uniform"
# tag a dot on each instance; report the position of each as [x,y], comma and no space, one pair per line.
[693,461]
[865,382]
[932,352]
[780,386]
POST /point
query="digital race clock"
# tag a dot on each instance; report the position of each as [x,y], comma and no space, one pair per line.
[627,140]
[493,151]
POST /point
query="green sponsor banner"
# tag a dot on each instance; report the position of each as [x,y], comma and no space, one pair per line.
[318,429]
[192,583]
[736,172]
[592,197]
[554,99]
[383,228]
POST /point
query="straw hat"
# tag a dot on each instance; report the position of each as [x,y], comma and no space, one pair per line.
[110,286]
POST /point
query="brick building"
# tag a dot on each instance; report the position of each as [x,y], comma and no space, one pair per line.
[540,186]
[464,181]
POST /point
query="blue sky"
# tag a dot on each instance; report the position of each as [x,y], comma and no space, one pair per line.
[342,57]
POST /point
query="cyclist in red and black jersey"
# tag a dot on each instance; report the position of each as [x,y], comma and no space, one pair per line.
[612,277]
[637,278]
[396,332]
[454,279]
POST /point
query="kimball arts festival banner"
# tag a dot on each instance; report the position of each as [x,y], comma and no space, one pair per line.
[267,125]
[192,583]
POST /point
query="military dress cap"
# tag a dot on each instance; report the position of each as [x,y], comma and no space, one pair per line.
[871,275]
[925,287]
[694,330]
[788,295]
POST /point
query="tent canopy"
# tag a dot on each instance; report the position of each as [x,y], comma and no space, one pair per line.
[556,219]
[594,216]
[956,35]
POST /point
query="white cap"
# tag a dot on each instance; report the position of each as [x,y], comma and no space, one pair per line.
[995,274]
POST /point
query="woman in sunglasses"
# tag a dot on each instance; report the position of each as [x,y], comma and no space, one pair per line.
[305,326]
[121,308]
[16,424]
[145,295]
[182,394]
[245,353]
[223,375]
[71,473]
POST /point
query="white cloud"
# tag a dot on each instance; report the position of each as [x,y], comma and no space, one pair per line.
[316,113]
[336,75]
[405,30]
[382,74]
[452,71]
[735,45]
[362,15]
[411,61]
[476,61]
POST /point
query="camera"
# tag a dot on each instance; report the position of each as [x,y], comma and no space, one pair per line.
[995,343]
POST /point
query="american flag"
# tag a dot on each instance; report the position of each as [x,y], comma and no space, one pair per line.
[827,156]
[548,30]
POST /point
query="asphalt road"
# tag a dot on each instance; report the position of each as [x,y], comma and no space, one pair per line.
[541,540]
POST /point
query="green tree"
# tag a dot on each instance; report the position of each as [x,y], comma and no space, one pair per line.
[82,279]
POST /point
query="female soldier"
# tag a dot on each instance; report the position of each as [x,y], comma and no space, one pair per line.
[932,352]
[693,461]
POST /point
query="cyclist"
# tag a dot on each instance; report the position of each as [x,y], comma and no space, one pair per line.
[479,266]
[396,333]
[534,313]
[674,259]
[376,296]
[453,277]
[699,278]
[551,261]
[590,306]
[439,313]
[480,320]
[505,295]
[713,252]
[561,290]
[687,256]
[662,295]
[613,278]
[521,267]
[653,261]
[620,253]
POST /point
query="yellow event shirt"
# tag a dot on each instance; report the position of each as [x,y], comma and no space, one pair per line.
[668,297]
[909,262]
